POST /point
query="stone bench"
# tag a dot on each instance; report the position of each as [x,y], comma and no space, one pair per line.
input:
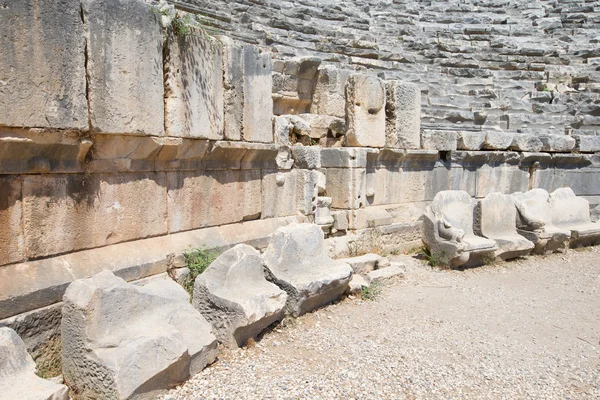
[572,213]
[448,230]
[124,341]
[497,221]
[296,260]
[17,372]
[534,222]
[234,296]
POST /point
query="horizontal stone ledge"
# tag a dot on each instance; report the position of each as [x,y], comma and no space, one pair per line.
[31,285]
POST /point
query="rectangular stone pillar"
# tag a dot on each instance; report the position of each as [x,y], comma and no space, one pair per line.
[365,111]
[403,115]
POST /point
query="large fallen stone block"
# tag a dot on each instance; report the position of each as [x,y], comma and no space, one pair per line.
[42,67]
[403,119]
[573,213]
[17,372]
[296,260]
[365,111]
[448,230]
[534,222]
[123,341]
[497,221]
[234,296]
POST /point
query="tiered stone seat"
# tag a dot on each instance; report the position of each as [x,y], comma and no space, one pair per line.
[448,230]
[572,213]
[497,221]
[534,222]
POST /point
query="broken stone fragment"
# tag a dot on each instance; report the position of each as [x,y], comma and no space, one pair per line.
[323,215]
[296,260]
[123,341]
[17,372]
[234,296]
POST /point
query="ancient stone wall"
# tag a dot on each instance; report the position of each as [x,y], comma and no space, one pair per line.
[125,141]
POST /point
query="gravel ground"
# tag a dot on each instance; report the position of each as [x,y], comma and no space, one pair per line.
[523,329]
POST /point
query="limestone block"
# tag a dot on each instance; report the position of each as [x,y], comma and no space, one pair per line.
[524,142]
[347,187]
[470,140]
[233,83]
[587,143]
[180,154]
[116,153]
[42,67]
[279,193]
[323,215]
[384,274]
[439,140]
[497,216]
[194,86]
[572,213]
[322,126]
[448,229]
[344,158]
[365,111]
[163,341]
[403,115]
[340,220]
[498,140]
[329,95]
[17,372]
[296,260]
[198,199]
[64,213]
[370,217]
[282,130]
[234,296]
[534,222]
[124,67]
[42,151]
[557,143]
[356,284]
[363,264]
[300,128]
[306,157]
[11,233]
[500,178]
[258,104]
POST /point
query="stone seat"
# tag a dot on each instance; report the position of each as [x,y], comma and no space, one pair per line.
[125,341]
[573,213]
[235,297]
[448,230]
[497,221]
[296,260]
[17,372]
[534,222]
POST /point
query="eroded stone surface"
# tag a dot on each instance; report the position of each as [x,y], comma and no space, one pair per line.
[365,111]
[258,104]
[17,372]
[163,341]
[403,115]
[296,260]
[234,296]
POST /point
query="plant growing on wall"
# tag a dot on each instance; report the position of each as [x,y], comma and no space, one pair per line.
[197,260]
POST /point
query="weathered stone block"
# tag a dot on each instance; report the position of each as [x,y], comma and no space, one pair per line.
[322,126]
[17,372]
[365,111]
[116,153]
[124,67]
[306,157]
[194,86]
[296,260]
[384,274]
[363,264]
[503,179]
[234,296]
[233,82]
[370,217]
[42,67]
[65,213]
[570,212]
[344,158]
[164,340]
[524,142]
[587,143]
[557,143]
[403,115]
[498,140]
[439,140]
[198,199]
[11,233]
[323,215]
[258,104]
[347,187]
[329,95]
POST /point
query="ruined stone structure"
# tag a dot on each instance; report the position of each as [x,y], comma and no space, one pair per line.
[130,132]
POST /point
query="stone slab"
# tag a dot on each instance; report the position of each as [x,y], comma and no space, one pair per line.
[233,83]
[12,243]
[194,101]
[403,115]
[365,111]
[347,187]
[64,213]
[124,67]
[439,140]
[258,104]
[42,67]
[329,94]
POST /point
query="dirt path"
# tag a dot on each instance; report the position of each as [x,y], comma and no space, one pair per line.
[522,329]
